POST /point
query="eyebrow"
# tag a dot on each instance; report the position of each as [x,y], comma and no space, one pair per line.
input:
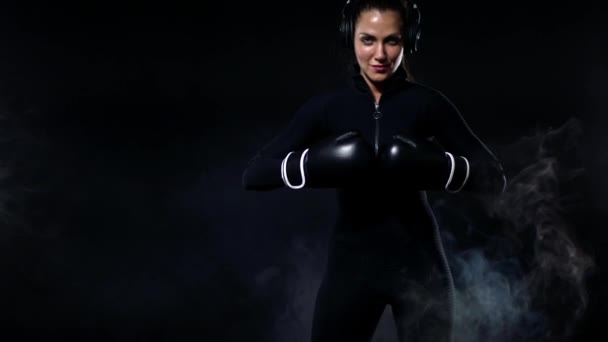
[397,34]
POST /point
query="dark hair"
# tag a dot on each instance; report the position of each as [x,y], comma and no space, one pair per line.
[353,10]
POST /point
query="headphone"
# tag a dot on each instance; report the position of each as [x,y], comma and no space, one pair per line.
[412,32]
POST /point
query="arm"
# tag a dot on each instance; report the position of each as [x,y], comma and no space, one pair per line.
[459,162]
[303,156]
[485,173]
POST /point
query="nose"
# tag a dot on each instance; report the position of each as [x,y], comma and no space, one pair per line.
[380,53]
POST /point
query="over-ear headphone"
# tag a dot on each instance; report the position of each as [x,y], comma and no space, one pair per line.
[412,31]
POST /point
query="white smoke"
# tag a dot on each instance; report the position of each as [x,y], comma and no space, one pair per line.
[527,281]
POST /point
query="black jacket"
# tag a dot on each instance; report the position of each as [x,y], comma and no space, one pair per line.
[416,110]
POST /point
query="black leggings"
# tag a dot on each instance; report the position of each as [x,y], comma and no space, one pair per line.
[359,284]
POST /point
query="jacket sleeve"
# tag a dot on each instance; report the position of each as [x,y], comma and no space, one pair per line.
[447,125]
[263,170]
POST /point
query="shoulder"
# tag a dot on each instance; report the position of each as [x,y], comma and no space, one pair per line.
[431,95]
[322,97]
[314,106]
[325,98]
[436,102]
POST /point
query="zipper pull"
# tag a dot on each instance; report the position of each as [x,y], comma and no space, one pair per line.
[377,112]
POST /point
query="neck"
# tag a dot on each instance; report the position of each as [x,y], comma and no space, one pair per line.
[377,88]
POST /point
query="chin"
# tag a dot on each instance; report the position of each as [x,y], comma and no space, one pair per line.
[375,77]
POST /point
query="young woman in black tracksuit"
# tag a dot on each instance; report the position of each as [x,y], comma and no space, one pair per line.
[381,141]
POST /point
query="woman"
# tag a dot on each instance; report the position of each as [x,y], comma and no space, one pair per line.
[381,141]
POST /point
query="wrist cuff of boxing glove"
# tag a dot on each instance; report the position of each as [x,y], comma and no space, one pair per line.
[293,169]
[459,173]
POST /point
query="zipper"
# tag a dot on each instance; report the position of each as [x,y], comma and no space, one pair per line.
[377,115]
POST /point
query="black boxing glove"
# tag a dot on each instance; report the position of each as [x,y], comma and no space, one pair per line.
[421,165]
[333,162]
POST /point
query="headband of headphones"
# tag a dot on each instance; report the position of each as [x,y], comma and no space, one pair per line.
[412,31]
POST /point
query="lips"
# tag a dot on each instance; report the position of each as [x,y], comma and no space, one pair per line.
[380,67]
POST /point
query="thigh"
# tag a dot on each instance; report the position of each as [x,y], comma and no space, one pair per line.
[423,309]
[346,309]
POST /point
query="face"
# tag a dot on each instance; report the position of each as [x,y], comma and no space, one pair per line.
[378,44]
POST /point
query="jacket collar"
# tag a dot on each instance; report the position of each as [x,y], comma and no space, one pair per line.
[397,81]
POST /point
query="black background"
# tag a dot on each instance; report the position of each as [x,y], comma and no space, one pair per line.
[126,127]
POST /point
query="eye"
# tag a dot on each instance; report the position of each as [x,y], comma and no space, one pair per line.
[394,41]
[367,40]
